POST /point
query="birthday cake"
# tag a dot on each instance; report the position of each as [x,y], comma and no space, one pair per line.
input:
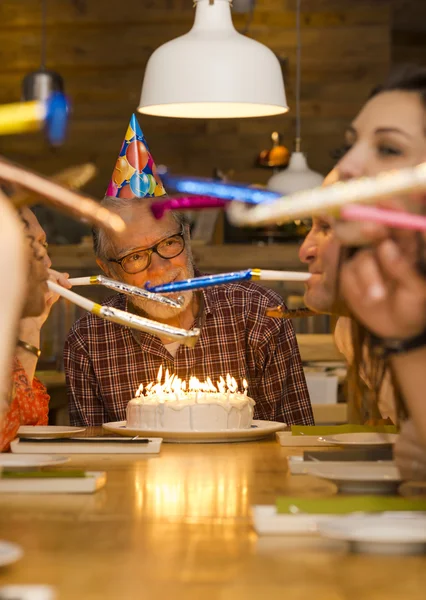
[197,407]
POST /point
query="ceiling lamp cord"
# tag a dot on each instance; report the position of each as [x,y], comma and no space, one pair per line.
[43,35]
[298,76]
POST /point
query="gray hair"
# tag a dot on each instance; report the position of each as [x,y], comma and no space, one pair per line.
[100,237]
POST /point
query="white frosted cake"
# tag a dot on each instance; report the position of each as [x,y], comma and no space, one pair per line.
[190,411]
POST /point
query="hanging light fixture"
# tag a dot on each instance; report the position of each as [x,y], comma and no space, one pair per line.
[297,176]
[213,72]
[40,84]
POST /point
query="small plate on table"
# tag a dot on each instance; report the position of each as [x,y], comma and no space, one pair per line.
[379,534]
[9,553]
[360,439]
[368,478]
[12,462]
[48,431]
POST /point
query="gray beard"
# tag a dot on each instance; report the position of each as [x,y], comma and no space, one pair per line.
[160,312]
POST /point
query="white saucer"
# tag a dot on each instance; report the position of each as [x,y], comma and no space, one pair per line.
[9,462]
[9,553]
[360,439]
[359,477]
[258,430]
[48,431]
[379,534]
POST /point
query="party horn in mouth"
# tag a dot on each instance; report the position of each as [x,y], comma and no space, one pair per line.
[125,288]
[280,312]
[331,199]
[121,317]
[390,218]
[55,195]
[197,283]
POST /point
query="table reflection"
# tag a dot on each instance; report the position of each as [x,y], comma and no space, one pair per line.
[193,487]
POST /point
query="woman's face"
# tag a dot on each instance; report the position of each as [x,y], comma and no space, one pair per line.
[388,133]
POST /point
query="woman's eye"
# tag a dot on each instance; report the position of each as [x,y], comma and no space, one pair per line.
[389,151]
[135,257]
[338,153]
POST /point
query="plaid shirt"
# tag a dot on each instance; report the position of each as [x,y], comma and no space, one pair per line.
[105,363]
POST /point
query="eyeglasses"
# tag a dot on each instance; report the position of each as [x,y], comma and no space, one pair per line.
[139,260]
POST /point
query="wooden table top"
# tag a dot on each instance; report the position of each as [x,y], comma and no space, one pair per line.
[178,526]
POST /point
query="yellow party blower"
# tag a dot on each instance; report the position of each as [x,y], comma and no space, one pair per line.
[50,115]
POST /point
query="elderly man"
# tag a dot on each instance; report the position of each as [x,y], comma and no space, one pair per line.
[105,363]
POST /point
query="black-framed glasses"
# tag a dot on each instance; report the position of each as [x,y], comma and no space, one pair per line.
[139,260]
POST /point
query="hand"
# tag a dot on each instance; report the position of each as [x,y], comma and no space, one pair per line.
[51,297]
[409,454]
[384,291]
[32,325]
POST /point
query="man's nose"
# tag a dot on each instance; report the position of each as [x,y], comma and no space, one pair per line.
[308,250]
[158,263]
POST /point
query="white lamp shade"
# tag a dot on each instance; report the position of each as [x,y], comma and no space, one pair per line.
[298,176]
[213,72]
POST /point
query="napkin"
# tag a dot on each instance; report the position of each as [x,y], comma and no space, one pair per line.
[335,429]
[348,504]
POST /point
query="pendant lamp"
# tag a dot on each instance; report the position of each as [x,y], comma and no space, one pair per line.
[213,72]
[40,84]
[298,176]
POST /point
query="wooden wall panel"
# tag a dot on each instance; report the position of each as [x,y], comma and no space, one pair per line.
[101,48]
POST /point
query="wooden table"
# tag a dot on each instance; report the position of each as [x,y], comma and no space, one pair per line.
[178,526]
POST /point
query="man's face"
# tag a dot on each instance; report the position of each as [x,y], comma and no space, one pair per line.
[320,250]
[142,232]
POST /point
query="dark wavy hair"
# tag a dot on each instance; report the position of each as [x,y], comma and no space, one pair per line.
[369,368]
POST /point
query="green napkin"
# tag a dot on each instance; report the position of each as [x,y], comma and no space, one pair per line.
[70,473]
[335,429]
[348,504]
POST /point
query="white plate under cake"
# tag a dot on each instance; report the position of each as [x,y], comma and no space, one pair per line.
[193,412]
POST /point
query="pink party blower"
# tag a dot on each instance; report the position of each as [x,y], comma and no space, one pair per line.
[159,207]
[390,218]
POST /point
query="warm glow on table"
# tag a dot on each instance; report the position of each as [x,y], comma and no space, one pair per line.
[178,526]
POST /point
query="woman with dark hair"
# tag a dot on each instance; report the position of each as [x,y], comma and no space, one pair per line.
[388,133]
[28,401]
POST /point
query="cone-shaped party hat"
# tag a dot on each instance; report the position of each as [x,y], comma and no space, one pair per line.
[135,173]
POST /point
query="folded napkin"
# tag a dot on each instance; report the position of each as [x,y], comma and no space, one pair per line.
[46,473]
[335,429]
[348,504]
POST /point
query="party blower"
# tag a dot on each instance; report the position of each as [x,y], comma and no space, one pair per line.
[198,186]
[125,288]
[159,207]
[281,312]
[109,313]
[197,283]
[50,115]
[55,195]
[332,199]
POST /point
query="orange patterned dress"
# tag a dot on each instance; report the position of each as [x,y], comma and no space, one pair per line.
[29,406]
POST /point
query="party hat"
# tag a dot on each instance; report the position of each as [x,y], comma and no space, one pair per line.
[135,173]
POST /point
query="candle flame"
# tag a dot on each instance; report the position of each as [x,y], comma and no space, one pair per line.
[178,387]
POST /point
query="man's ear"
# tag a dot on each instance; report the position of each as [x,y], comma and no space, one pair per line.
[105,267]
